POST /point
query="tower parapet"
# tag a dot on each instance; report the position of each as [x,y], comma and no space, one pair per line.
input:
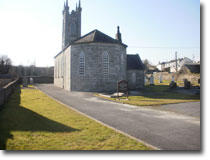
[71,24]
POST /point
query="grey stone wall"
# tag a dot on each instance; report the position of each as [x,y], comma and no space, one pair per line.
[69,20]
[94,79]
[179,77]
[138,83]
[38,79]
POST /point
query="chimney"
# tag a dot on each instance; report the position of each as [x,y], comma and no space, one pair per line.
[118,35]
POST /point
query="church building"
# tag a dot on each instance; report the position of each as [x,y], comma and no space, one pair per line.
[94,62]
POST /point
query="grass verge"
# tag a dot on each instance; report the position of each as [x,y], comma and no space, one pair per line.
[33,121]
[156,95]
[145,101]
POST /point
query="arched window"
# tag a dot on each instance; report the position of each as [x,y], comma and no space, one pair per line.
[82,63]
[73,29]
[105,62]
[62,67]
[65,66]
[55,69]
[133,78]
[58,69]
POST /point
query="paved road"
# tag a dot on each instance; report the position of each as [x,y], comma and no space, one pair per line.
[167,130]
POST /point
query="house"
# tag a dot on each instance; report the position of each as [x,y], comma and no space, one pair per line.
[174,65]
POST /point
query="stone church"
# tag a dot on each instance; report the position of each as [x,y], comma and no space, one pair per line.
[95,61]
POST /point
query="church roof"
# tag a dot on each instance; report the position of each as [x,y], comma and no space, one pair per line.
[97,37]
[134,62]
[93,37]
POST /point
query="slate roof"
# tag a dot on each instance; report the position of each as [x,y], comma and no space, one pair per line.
[194,68]
[97,37]
[134,62]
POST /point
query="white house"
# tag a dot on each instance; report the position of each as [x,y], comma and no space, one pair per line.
[172,64]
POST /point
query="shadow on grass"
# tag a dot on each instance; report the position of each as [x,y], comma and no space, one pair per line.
[14,117]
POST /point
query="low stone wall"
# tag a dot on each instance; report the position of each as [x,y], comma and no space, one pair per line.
[179,77]
[4,82]
[39,79]
[6,91]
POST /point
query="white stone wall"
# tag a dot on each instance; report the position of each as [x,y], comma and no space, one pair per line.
[67,60]
[62,70]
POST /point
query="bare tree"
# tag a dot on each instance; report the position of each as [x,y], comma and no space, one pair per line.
[5,64]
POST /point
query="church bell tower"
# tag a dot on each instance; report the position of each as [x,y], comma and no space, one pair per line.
[71,24]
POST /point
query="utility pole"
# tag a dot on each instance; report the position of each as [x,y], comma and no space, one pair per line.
[176,65]
[176,61]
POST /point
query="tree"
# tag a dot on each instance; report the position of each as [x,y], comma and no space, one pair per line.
[146,64]
[5,64]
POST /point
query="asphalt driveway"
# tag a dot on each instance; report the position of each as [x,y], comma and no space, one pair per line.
[172,127]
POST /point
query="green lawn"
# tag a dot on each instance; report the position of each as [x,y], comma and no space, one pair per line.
[33,121]
[159,94]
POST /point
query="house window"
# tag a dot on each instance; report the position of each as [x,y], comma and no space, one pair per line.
[82,64]
[106,63]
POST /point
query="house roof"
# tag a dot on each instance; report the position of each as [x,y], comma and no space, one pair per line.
[134,62]
[194,68]
[97,37]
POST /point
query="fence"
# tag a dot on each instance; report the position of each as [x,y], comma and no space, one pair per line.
[6,91]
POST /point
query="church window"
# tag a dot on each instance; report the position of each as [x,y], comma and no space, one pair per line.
[106,63]
[73,29]
[62,68]
[58,68]
[133,78]
[55,70]
[82,64]
[122,58]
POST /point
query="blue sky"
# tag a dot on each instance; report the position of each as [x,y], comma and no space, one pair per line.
[31,30]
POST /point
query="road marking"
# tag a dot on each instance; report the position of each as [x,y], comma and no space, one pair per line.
[124,109]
